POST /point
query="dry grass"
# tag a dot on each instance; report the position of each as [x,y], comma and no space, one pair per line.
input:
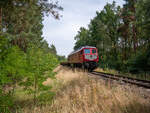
[78,93]
[111,71]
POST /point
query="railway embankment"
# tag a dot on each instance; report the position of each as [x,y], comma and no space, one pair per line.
[76,92]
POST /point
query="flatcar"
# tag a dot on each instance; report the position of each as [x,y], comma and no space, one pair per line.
[85,57]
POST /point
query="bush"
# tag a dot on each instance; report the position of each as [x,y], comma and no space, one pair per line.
[12,71]
[40,67]
[27,70]
[140,62]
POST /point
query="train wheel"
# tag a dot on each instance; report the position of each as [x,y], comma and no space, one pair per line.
[83,67]
[90,70]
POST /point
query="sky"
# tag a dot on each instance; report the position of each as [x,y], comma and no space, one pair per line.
[75,14]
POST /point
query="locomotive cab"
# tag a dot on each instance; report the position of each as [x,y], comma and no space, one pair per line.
[90,56]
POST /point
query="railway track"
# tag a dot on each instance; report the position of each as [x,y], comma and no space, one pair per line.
[134,81]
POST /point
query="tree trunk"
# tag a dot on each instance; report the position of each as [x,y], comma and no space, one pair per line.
[134,26]
[0,19]
[35,89]
[134,38]
[125,49]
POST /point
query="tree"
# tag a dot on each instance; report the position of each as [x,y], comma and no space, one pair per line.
[53,49]
[81,38]
[23,52]
[39,63]
[23,19]
[118,33]
[102,33]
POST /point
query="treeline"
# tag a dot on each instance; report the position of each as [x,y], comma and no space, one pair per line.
[121,35]
[26,59]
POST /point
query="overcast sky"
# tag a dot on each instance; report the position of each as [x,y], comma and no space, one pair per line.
[76,14]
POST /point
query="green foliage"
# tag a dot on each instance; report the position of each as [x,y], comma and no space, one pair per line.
[81,38]
[121,36]
[26,60]
[40,67]
[140,62]
[12,71]
[103,34]
[5,103]
[28,70]
[15,63]
[53,49]
[61,58]
[45,98]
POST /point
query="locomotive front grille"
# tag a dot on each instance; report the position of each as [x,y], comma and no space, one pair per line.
[91,57]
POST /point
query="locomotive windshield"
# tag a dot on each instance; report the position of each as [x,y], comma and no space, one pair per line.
[86,51]
[93,50]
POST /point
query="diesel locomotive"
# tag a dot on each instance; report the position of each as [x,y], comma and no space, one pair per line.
[85,57]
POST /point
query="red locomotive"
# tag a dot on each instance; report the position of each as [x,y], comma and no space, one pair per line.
[85,57]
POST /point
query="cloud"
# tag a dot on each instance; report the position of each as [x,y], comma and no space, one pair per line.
[77,13]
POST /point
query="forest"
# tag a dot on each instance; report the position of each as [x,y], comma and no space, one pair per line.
[26,59]
[121,35]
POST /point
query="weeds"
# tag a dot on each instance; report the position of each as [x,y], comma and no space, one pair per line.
[78,93]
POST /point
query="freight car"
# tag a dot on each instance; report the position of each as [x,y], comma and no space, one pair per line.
[85,57]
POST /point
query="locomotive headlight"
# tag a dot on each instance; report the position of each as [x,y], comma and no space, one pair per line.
[87,56]
[90,57]
[95,56]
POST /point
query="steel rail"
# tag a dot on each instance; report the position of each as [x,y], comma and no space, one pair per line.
[138,82]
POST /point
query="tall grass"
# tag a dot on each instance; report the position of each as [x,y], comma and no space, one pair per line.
[76,92]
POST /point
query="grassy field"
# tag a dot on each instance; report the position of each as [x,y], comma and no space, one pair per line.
[76,92]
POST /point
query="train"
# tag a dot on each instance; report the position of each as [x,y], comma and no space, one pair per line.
[85,57]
